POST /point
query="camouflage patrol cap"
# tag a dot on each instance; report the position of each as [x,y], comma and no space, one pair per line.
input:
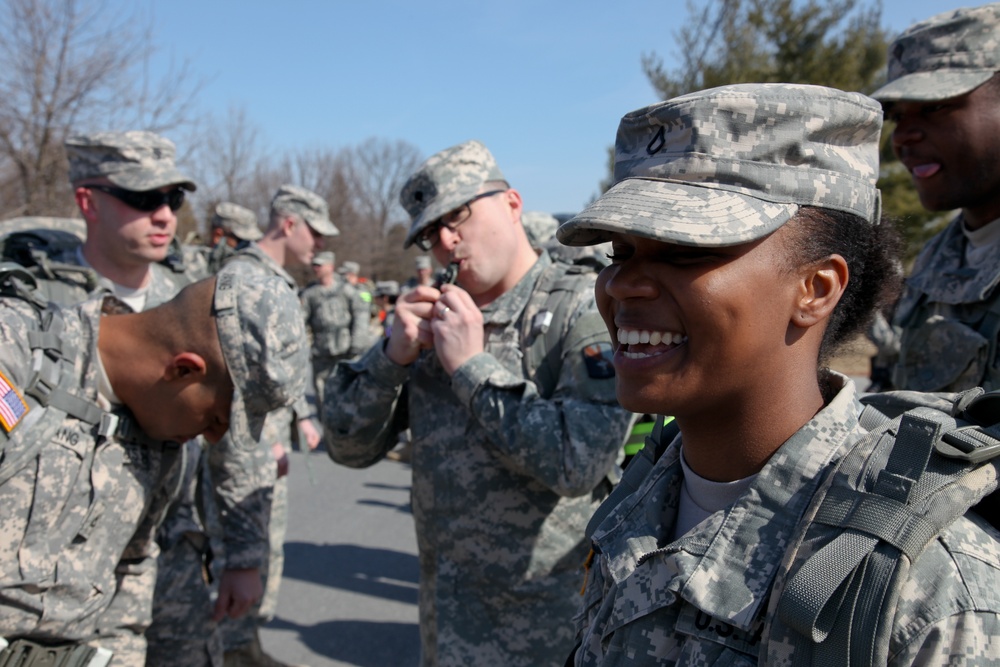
[422,262]
[387,288]
[947,55]
[349,267]
[325,257]
[729,165]
[237,220]
[444,182]
[540,227]
[293,200]
[263,340]
[136,161]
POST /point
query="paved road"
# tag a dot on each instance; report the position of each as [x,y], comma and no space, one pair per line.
[349,596]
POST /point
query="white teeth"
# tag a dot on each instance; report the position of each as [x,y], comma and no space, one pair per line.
[635,336]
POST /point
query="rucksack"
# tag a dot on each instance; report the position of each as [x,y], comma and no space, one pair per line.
[545,332]
[34,249]
[926,461]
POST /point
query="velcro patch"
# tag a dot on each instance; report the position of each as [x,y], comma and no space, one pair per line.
[598,358]
[12,406]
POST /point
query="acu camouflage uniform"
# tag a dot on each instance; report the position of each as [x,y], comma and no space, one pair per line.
[78,557]
[718,168]
[278,427]
[506,469]
[950,311]
[705,598]
[338,318]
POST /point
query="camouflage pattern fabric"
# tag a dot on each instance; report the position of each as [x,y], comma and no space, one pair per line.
[269,491]
[74,287]
[74,560]
[703,598]
[948,55]
[237,220]
[293,200]
[338,319]
[444,182]
[134,160]
[196,634]
[504,479]
[949,319]
[732,164]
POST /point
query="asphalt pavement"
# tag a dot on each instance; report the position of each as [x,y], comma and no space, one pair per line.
[349,594]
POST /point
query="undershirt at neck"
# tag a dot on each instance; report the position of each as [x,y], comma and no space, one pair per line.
[983,244]
[134,297]
[700,498]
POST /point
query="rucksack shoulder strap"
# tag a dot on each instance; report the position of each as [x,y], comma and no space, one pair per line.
[543,353]
[878,520]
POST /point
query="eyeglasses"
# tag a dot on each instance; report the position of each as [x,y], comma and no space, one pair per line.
[431,234]
[147,200]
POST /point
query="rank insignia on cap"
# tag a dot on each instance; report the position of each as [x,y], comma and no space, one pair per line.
[12,406]
[598,359]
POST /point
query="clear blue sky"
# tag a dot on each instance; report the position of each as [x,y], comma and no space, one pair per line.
[543,84]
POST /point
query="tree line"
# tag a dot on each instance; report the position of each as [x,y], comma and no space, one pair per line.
[80,65]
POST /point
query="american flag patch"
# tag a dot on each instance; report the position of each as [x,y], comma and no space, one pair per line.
[12,406]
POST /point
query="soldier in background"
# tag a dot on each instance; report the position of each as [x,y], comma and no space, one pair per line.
[87,464]
[513,417]
[298,222]
[231,226]
[943,94]
[424,274]
[386,294]
[336,316]
[128,189]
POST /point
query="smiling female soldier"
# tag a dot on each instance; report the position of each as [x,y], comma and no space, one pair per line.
[747,245]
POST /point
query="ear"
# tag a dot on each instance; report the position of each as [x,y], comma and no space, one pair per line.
[288,225]
[820,289]
[85,202]
[186,366]
[512,198]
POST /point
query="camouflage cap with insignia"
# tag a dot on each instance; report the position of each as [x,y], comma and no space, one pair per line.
[444,182]
[323,258]
[263,340]
[136,161]
[239,221]
[729,165]
[948,55]
[293,200]
[349,267]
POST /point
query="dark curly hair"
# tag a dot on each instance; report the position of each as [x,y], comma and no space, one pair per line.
[874,260]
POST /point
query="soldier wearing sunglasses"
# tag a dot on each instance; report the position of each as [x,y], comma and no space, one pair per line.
[128,190]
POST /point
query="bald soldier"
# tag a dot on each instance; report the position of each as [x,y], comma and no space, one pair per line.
[97,399]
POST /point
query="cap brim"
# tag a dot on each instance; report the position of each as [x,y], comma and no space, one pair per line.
[933,86]
[674,212]
[140,181]
[249,235]
[322,226]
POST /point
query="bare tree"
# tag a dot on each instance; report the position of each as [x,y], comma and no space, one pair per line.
[70,66]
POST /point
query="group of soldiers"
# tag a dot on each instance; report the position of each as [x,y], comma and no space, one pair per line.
[149,395]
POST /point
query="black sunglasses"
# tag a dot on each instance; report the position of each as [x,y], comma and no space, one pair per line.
[147,200]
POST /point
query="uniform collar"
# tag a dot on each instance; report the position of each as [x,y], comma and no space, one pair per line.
[509,305]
